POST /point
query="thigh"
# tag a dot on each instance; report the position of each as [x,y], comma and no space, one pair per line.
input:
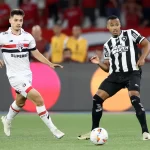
[22,85]
[134,82]
[35,97]
[110,87]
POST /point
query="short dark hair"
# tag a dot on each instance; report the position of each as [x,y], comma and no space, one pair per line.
[112,17]
[67,49]
[17,12]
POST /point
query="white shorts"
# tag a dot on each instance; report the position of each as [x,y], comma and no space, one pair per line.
[21,84]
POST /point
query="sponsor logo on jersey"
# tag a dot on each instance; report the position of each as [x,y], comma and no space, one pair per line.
[19,56]
[134,35]
[119,49]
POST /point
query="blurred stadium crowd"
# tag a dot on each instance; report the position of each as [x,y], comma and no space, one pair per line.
[87,13]
[74,15]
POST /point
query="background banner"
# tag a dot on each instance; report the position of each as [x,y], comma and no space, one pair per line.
[71,88]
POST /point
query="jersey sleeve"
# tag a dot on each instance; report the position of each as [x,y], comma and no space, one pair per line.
[137,37]
[105,53]
[32,44]
[1,39]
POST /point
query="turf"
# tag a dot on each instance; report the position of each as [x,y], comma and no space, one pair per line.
[30,133]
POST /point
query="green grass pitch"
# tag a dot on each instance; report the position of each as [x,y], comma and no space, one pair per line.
[30,133]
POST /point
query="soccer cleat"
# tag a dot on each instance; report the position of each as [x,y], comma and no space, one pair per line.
[7,125]
[84,136]
[146,136]
[57,133]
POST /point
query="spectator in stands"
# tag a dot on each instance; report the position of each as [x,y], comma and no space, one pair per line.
[42,13]
[89,9]
[67,55]
[42,45]
[101,6]
[53,9]
[112,7]
[63,4]
[78,45]
[58,42]
[31,13]
[133,13]
[146,13]
[4,15]
[73,15]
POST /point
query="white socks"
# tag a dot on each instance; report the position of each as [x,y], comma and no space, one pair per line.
[42,112]
[13,111]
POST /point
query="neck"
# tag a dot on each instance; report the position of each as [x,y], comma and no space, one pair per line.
[58,34]
[16,32]
[38,39]
[76,37]
[115,36]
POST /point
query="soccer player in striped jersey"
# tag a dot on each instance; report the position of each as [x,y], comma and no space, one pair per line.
[123,62]
[15,46]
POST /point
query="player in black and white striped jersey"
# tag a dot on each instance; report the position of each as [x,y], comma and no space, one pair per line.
[123,61]
[123,51]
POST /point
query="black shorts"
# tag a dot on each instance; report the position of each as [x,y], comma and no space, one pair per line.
[117,81]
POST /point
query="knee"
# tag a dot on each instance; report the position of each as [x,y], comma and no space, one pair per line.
[97,103]
[20,103]
[134,93]
[102,94]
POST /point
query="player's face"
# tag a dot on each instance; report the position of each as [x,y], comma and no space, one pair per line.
[57,29]
[76,31]
[36,33]
[16,22]
[113,25]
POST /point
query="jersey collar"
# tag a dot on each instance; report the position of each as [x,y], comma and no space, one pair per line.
[10,31]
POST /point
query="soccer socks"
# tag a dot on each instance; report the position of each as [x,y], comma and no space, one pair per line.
[140,112]
[42,112]
[13,111]
[97,111]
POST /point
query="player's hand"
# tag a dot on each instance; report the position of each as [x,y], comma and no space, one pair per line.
[56,66]
[95,60]
[141,62]
[1,63]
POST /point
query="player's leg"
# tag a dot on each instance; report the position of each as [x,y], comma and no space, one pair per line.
[35,96]
[134,93]
[97,109]
[13,111]
[106,90]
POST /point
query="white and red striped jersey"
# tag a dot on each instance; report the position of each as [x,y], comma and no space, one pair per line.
[15,50]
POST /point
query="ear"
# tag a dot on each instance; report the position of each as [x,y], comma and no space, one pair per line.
[107,26]
[10,20]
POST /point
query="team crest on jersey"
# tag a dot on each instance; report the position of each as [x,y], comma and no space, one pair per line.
[23,84]
[124,38]
[20,46]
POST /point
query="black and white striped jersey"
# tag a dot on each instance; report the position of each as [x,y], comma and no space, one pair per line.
[123,51]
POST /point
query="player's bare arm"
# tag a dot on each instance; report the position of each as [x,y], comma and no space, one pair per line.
[42,59]
[1,63]
[103,65]
[145,51]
